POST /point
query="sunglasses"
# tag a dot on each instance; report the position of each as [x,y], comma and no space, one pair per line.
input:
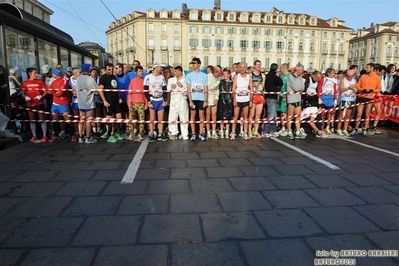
[110,69]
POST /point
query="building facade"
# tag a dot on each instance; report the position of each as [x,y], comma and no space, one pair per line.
[33,7]
[102,56]
[222,37]
[377,44]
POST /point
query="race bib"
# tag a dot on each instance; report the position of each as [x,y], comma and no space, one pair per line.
[197,86]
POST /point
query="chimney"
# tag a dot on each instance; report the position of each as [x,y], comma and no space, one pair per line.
[217,5]
[184,9]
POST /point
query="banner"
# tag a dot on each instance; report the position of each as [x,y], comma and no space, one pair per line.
[390,109]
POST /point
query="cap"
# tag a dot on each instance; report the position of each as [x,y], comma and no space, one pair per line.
[45,69]
[69,69]
[157,64]
[57,72]
[11,71]
[85,67]
[350,72]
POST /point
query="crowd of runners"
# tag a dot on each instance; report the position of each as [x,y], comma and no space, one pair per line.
[169,103]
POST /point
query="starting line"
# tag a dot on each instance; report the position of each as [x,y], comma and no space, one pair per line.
[135,164]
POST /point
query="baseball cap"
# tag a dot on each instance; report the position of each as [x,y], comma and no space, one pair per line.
[45,69]
[85,67]
[11,71]
[350,72]
[157,64]
[57,72]
[69,69]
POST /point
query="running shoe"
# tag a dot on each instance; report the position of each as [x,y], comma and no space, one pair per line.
[340,133]
[246,137]
[139,138]
[226,134]
[164,136]
[74,139]
[173,137]
[131,137]
[284,133]
[274,135]
[376,131]
[44,140]
[215,136]
[300,135]
[90,141]
[257,135]
[345,133]
[322,136]
[118,137]
[201,137]
[104,136]
[364,133]
[112,139]
[53,139]
[233,136]
[185,138]
[303,131]
[193,137]
[290,135]
[152,138]
[354,132]
[370,132]
[33,139]
[221,134]
[266,135]
[62,135]
[81,140]
[328,131]
[332,130]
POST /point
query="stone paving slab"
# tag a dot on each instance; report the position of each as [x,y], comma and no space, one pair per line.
[233,162]
[221,172]
[277,252]
[64,256]
[341,220]
[40,207]
[366,180]
[385,216]
[82,189]
[225,226]
[329,181]
[116,188]
[291,182]
[188,173]
[385,240]
[8,226]
[45,232]
[9,257]
[225,253]
[168,187]
[392,177]
[35,176]
[92,206]
[243,201]
[394,189]
[148,174]
[334,197]
[251,183]
[211,185]
[194,203]
[171,228]
[133,255]
[255,171]
[6,204]
[74,176]
[41,189]
[375,194]
[290,199]
[108,231]
[149,204]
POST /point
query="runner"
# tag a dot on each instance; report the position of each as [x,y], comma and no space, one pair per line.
[197,92]
[137,104]
[213,98]
[258,84]
[380,71]
[74,103]
[242,98]
[155,92]
[281,105]
[225,104]
[327,92]
[33,91]
[348,88]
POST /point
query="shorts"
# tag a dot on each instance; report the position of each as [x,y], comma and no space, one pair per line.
[39,107]
[242,104]
[363,100]
[199,105]
[325,107]
[157,105]
[349,105]
[59,109]
[258,99]
[295,104]
[124,107]
[86,110]
[113,109]
[75,106]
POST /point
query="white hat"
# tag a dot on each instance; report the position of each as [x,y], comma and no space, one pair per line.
[157,64]
[11,71]
[45,69]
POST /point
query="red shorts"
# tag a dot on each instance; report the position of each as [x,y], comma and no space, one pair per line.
[258,99]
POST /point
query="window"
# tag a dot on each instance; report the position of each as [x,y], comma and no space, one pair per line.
[163,27]
[177,43]
[291,20]
[219,30]
[279,61]
[312,45]
[280,19]
[206,60]
[243,44]
[244,31]
[333,23]
[310,65]
[194,15]
[206,43]
[268,19]
[232,30]
[325,34]
[301,21]
[290,47]
[290,32]
[332,47]
[268,45]
[268,32]
[341,47]
[151,42]
[300,46]
[218,60]
[193,29]
[333,35]
[313,33]
[176,28]
[313,21]
[244,18]
[267,63]
[193,42]
[218,44]
[256,18]
[301,33]
[280,45]
[324,46]
[206,29]
[255,31]
[342,35]
[231,61]
[47,52]
[230,44]
[396,50]
[231,17]
[150,27]
[206,16]
[255,44]
[280,32]
[219,16]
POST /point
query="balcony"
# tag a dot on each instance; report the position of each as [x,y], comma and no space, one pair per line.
[193,47]
[131,49]
[218,48]
[119,52]
[290,48]
[151,47]
[164,48]
[341,52]
[268,49]
[176,48]
[324,51]
[231,48]
[333,52]
[206,48]
[256,49]
[243,49]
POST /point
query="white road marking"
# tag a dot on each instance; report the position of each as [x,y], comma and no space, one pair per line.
[367,146]
[135,164]
[311,156]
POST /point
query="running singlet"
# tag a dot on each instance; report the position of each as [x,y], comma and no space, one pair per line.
[348,95]
[155,84]
[242,90]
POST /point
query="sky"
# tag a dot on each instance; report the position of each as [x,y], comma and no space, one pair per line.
[89,20]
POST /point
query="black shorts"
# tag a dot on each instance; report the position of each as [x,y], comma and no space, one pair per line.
[113,109]
[39,107]
[243,104]
[124,108]
[349,105]
[363,100]
[325,107]
[199,105]
[296,104]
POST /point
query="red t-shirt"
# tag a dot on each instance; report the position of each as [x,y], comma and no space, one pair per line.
[59,88]
[136,92]
[33,88]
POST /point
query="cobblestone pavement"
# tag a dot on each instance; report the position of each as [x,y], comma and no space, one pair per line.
[217,202]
